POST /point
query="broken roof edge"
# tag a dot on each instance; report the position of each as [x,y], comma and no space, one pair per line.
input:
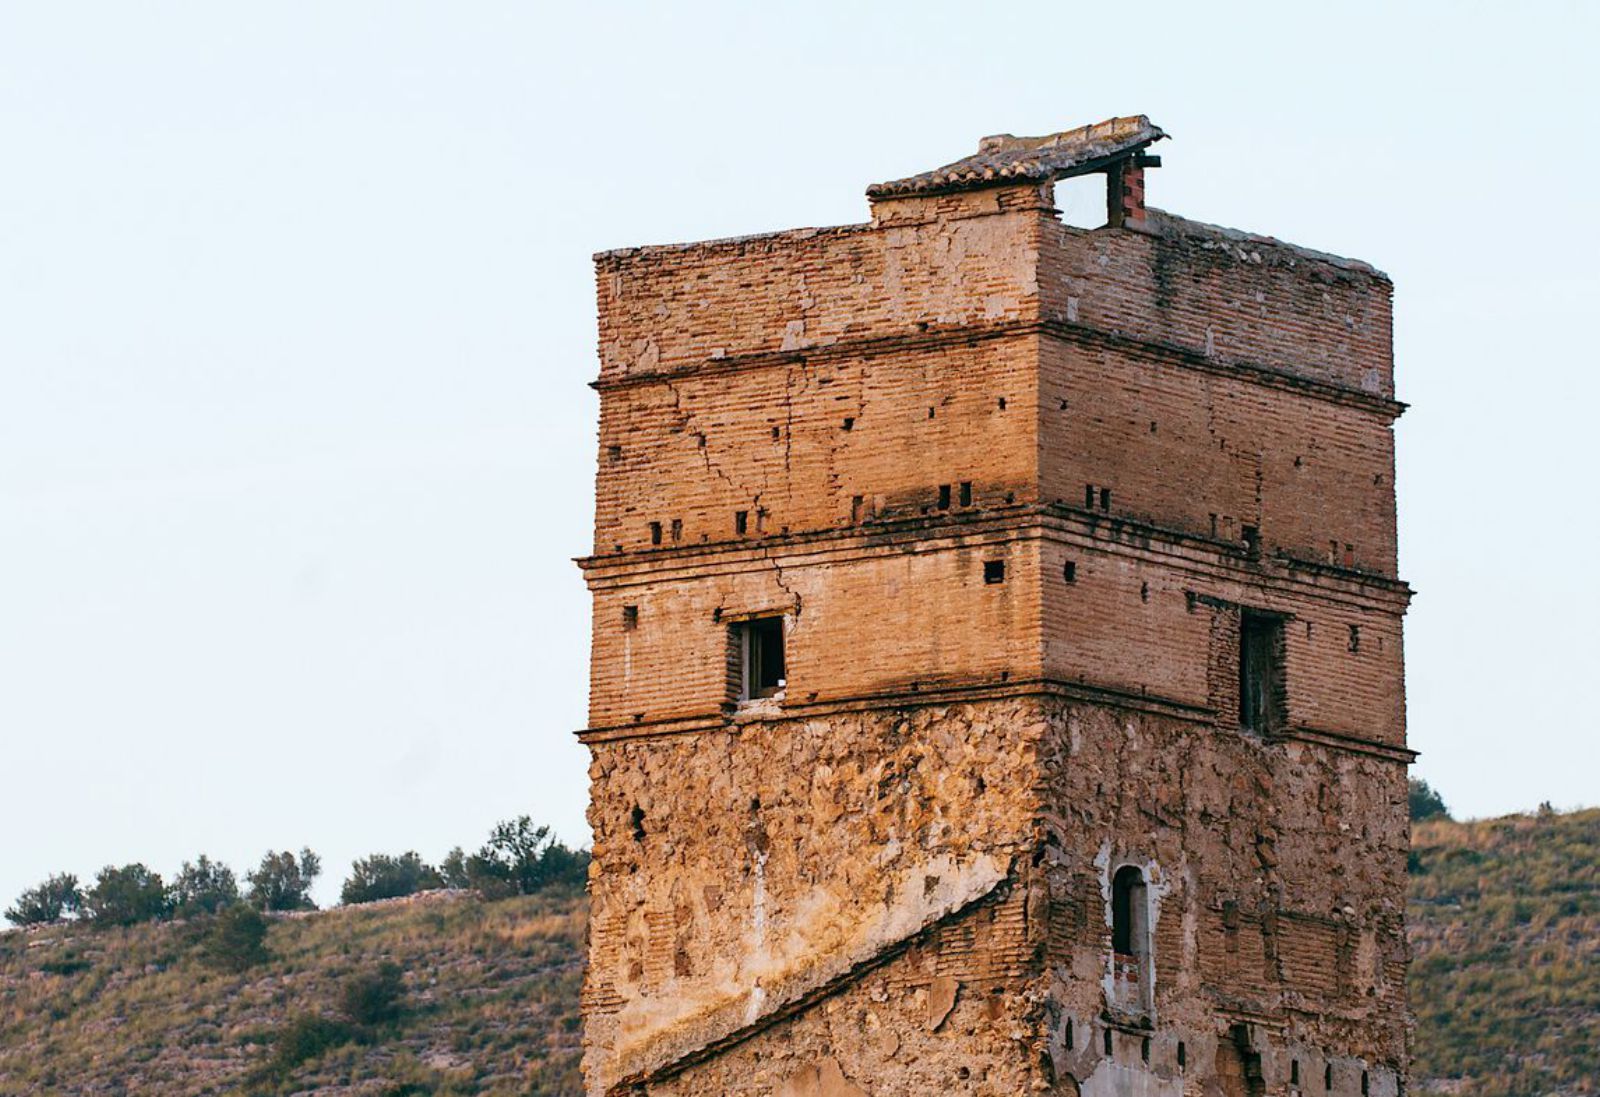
[1006,160]
[731,241]
[1160,221]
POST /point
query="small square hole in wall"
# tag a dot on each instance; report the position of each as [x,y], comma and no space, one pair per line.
[613,453]
[630,618]
[1252,541]
[1002,403]
[994,571]
[849,422]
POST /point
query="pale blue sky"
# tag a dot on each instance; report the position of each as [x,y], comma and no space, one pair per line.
[296,320]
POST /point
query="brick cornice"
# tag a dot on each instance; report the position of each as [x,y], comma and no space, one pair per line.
[1203,557]
[971,334]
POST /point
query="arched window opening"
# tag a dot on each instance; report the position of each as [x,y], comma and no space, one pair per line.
[1128,912]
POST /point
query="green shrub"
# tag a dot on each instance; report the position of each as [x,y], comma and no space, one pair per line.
[373,997]
[236,939]
[204,887]
[125,896]
[50,901]
[69,963]
[283,882]
[518,859]
[383,877]
[306,1037]
[453,869]
[1426,803]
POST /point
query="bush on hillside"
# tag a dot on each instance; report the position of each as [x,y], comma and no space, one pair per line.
[125,896]
[283,882]
[1426,803]
[373,997]
[518,859]
[235,941]
[49,902]
[306,1037]
[383,877]
[204,887]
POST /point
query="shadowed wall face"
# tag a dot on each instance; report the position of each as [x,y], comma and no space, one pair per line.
[996,674]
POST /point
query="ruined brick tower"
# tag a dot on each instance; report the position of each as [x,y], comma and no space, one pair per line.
[997,654]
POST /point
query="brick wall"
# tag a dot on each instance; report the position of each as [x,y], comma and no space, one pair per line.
[1161,432]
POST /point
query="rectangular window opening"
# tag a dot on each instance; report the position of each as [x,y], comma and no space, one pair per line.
[741,522]
[1088,496]
[1105,498]
[759,645]
[677,530]
[1261,678]
[630,618]
[655,533]
[1081,201]
[994,571]
[944,496]
[857,509]
[966,493]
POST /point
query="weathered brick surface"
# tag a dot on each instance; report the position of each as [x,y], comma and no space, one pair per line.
[1016,490]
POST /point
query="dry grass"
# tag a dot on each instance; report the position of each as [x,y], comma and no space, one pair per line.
[491,1004]
[1505,980]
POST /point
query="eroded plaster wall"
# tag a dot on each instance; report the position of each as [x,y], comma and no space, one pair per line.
[738,872]
[1276,873]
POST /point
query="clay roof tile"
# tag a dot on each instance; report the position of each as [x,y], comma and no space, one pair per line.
[1003,158]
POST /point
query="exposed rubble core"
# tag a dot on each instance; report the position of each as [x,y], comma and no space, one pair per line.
[997,666]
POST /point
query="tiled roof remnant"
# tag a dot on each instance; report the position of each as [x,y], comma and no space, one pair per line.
[1004,159]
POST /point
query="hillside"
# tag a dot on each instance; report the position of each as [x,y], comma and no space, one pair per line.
[489,1004]
[1505,985]
[1505,979]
